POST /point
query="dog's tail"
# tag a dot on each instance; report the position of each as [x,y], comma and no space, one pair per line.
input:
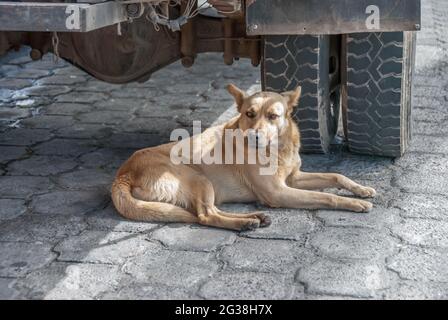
[135,209]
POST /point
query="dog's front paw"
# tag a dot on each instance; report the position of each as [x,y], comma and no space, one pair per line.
[361,206]
[365,192]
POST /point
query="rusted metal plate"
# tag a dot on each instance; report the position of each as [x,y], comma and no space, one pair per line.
[60,17]
[270,17]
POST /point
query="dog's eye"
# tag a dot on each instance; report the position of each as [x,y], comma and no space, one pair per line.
[250,114]
[272,117]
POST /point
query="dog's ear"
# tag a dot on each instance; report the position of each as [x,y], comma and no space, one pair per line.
[292,97]
[238,94]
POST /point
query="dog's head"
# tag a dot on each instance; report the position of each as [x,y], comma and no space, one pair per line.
[267,115]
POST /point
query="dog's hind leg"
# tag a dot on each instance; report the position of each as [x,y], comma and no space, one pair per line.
[141,210]
[265,220]
[203,203]
[315,181]
[210,216]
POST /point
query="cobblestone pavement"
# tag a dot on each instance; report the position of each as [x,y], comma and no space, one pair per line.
[63,135]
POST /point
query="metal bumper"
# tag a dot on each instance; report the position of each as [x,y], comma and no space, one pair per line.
[60,17]
[270,17]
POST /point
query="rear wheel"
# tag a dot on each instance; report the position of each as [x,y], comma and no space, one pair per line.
[313,63]
[378,92]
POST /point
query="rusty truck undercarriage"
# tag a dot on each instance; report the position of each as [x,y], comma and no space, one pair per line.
[136,47]
[351,57]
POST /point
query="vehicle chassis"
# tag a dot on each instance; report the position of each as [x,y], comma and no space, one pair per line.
[115,42]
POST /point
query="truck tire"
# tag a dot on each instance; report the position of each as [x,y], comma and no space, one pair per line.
[379,83]
[313,63]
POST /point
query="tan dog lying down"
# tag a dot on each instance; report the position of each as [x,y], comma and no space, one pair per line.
[150,187]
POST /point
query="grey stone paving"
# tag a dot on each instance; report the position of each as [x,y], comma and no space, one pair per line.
[63,134]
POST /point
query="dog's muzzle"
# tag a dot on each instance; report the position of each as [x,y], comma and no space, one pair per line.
[257,139]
